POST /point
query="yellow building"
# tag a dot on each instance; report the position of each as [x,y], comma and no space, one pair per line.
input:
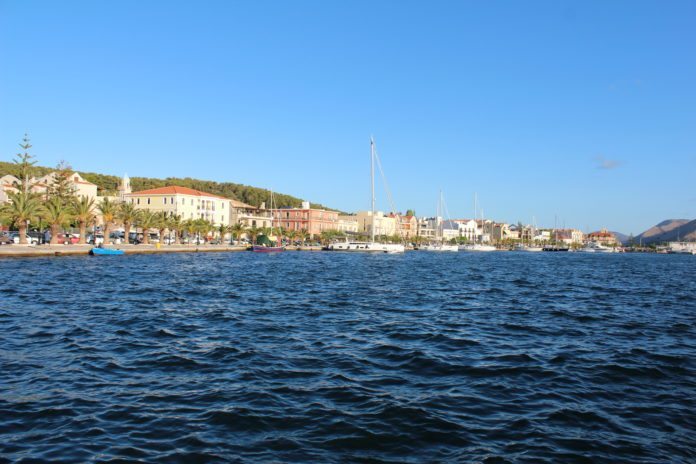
[185,202]
[383,225]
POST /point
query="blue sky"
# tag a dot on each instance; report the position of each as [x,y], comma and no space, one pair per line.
[585,111]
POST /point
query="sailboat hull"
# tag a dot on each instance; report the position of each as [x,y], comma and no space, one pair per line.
[477,247]
[439,248]
[367,247]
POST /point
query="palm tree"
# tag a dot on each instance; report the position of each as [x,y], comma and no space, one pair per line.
[22,208]
[190,228]
[302,235]
[161,223]
[148,220]
[291,235]
[202,227]
[177,225]
[108,210]
[223,230]
[128,215]
[253,232]
[83,212]
[57,214]
[237,230]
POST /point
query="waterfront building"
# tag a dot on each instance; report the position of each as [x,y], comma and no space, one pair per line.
[383,225]
[184,202]
[603,237]
[500,231]
[468,229]
[41,185]
[314,221]
[249,216]
[349,226]
[427,228]
[568,236]
[407,226]
[542,236]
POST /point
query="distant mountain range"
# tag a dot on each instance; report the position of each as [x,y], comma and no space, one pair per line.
[669,230]
[623,238]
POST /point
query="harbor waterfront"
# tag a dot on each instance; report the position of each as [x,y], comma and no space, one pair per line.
[332,357]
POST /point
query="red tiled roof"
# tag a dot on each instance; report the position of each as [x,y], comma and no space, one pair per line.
[601,234]
[176,190]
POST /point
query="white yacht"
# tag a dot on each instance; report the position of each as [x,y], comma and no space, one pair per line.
[439,247]
[476,247]
[367,246]
[371,246]
[596,247]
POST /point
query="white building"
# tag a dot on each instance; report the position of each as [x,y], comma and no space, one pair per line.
[41,185]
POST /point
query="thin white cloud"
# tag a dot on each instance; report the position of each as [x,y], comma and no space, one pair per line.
[605,163]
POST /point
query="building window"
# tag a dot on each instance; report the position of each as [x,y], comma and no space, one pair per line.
[165,200]
[148,201]
[138,200]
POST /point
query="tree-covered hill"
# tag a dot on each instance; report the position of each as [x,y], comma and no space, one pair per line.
[108,185]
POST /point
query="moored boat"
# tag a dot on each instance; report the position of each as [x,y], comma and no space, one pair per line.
[372,245]
[477,247]
[367,247]
[555,248]
[96,251]
[439,247]
[595,247]
[269,246]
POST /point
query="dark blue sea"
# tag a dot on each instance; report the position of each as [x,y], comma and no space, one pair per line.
[321,357]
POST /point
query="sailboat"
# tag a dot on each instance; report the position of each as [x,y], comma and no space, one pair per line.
[270,248]
[477,246]
[530,246]
[440,246]
[555,247]
[371,246]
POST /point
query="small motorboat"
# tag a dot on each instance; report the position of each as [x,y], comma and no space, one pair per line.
[105,251]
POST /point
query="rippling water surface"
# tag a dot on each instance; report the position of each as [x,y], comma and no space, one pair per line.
[320,357]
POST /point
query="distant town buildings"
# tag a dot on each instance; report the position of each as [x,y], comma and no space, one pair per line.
[603,237]
[191,204]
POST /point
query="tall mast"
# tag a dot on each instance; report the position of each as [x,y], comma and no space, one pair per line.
[440,208]
[372,180]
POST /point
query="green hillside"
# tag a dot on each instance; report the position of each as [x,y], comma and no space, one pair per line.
[108,185]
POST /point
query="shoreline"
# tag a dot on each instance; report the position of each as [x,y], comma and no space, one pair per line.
[44,251]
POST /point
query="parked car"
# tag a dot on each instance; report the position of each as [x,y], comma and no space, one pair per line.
[68,239]
[32,237]
[98,241]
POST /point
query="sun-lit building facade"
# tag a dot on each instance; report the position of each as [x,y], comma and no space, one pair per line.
[184,202]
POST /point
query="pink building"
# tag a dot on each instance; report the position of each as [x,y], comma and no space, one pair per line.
[314,221]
